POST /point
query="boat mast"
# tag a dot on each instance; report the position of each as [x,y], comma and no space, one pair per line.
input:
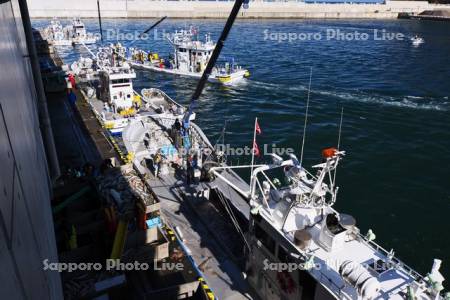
[215,55]
[338,142]
[340,128]
[100,20]
[306,119]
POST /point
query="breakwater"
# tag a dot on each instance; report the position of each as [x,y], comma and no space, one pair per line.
[221,9]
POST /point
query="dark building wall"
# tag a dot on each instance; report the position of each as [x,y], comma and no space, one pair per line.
[26,226]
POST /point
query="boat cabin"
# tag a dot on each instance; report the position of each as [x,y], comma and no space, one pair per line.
[78,28]
[116,88]
[191,55]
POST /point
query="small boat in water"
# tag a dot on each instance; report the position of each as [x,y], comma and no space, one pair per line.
[416,41]
[190,58]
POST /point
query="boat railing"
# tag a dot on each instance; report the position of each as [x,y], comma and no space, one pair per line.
[198,134]
[398,263]
[167,97]
[394,260]
[332,286]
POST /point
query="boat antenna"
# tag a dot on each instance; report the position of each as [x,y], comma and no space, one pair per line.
[100,20]
[214,56]
[340,128]
[339,142]
[220,138]
[306,117]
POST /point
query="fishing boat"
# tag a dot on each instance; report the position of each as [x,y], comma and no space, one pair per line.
[56,35]
[78,34]
[302,248]
[113,99]
[117,102]
[73,34]
[190,57]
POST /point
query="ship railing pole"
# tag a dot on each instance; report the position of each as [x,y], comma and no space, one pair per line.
[253,151]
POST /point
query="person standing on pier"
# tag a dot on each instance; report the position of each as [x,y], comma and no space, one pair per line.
[177,125]
[72,81]
[157,160]
[69,86]
[189,170]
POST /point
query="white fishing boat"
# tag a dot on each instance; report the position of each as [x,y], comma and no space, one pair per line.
[190,58]
[117,102]
[302,248]
[73,34]
[78,34]
[56,35]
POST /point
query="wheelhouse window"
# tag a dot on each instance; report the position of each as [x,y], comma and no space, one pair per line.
[122,80]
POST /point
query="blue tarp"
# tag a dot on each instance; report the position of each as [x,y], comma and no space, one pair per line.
[153,222]
[168,150]
[186,142]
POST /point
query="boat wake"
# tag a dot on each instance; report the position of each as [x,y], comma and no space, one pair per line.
[407,101]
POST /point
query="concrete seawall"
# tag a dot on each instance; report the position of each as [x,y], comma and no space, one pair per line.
[220,9]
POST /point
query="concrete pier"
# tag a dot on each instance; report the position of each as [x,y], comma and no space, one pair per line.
[221,9]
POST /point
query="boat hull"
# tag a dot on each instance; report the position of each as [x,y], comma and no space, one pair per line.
[215,78]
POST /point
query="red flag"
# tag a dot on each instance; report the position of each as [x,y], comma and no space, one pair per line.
[257,128]
[255,148]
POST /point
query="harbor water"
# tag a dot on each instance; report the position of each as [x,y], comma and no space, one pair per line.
[395,177]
